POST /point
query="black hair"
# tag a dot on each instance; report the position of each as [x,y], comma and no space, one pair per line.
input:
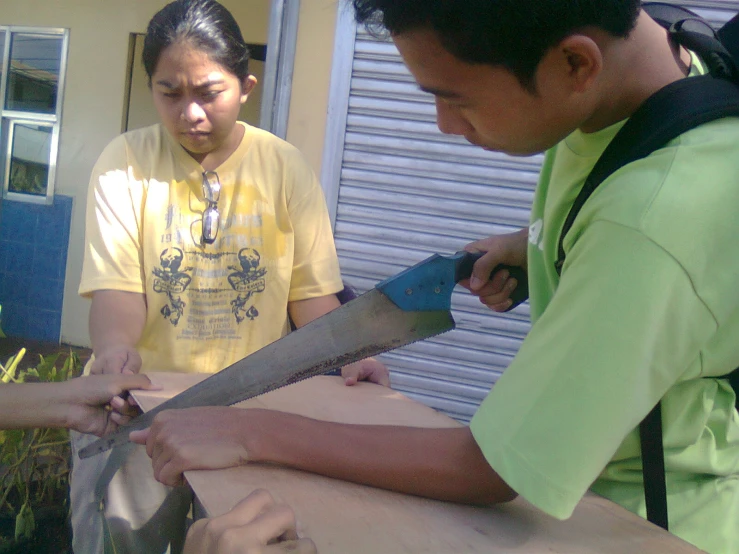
[514,34]
[205,24]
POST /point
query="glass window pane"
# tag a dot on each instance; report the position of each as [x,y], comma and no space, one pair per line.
[34,73]
[29,159]
[2,52]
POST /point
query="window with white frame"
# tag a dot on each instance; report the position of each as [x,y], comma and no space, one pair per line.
[32,68]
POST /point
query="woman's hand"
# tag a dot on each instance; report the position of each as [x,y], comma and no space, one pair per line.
[116,360]
[256,525]
[368,369]
[117,320]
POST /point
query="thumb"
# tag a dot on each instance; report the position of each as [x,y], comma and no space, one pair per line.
[483,269]
[97,367]
[484,266]
[139,437]
[130,367]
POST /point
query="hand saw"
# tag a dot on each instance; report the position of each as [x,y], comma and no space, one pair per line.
[411,306]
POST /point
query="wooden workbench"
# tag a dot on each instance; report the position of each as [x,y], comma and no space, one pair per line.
[344,518]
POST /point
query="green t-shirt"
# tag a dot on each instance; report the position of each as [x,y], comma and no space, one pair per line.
[646,308]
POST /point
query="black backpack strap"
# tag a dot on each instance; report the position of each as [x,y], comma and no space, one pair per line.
[690,30]
[676,108]
[653,459]
[667,114]
[729,37]
[733,379]
[670,112]
[653,466]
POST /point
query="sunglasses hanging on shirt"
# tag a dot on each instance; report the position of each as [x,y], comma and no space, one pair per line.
[211,215]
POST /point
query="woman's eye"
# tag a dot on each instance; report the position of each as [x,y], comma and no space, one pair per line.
[171,94]
[211,94]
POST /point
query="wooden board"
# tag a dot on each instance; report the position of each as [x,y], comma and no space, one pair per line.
[346,518]
[325,398]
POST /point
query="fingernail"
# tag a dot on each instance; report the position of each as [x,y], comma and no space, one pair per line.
[511,284]
[475,282]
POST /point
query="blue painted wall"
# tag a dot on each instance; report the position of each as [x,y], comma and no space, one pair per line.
[33,261]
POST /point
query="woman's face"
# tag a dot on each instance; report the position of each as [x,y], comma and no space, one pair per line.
[198,100]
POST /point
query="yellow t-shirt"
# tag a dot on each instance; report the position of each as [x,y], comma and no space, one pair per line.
[207,305]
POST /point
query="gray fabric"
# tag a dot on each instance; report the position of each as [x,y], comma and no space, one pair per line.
[119,508]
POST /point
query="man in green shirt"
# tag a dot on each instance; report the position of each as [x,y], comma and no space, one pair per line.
[646,307]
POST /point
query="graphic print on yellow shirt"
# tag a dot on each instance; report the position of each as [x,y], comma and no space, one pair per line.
[222,277]
[208,305]
[246,281]
[172,282]
[209,291]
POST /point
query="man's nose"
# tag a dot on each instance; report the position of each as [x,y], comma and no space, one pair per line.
[449,121]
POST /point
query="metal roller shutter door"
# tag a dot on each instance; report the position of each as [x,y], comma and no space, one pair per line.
[399,190]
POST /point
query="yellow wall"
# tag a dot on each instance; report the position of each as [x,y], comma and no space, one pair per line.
[141,110]
[94,96]
[311,79]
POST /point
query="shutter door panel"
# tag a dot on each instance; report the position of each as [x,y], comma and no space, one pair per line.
[407,191]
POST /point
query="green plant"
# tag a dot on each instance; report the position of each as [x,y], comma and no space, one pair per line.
[34,463]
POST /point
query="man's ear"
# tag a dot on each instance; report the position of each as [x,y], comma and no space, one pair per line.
[247,85]
[582,61]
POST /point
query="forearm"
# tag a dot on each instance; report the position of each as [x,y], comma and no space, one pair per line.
[116,318]
[305,311]
[444,464]
[29,405]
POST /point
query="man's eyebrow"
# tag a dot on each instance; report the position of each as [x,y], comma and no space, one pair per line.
[441,93]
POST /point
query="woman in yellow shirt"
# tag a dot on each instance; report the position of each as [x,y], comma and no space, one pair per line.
[206,238]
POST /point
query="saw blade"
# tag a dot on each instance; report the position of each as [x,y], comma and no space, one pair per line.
[366,326]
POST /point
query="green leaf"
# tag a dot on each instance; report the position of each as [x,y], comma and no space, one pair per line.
[14,437]
[56,435]
[66,367]
[11,366]
[45,366]
[71,366]
[28,372]
[33,463]
[24,522]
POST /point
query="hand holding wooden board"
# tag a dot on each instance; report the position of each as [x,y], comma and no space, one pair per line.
[344,518]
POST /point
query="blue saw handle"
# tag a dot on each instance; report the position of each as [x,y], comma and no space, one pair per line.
[428,285]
